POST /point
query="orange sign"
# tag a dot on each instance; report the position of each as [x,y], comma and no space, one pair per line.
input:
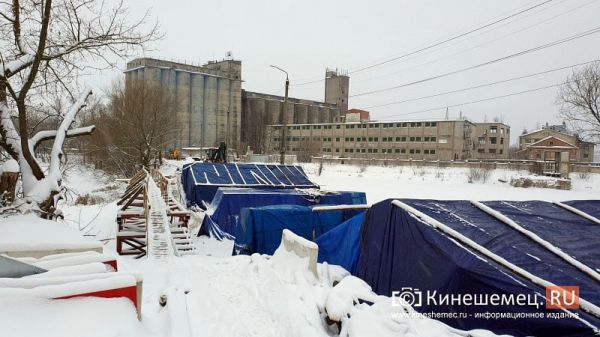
[562,297]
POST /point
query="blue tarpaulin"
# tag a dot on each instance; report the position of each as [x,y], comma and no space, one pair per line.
[260,228]
[341,245]
[201,180]
[402,253]
[223,215]
[591,207]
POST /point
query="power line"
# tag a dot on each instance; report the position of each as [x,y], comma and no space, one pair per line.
[433,45]
[452,38]
[482,44]
[477,101]
[504,58]
[480,85]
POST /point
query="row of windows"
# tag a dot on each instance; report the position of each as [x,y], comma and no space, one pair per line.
[493,140]
[388,151]
[366,126]
[500,151]
[364,139]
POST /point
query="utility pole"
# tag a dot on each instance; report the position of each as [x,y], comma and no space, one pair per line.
[282,144]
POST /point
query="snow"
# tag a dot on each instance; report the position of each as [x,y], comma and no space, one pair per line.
[216,294]
[381,183]
[23,316]
[25,233]
[10,165]
[344,295]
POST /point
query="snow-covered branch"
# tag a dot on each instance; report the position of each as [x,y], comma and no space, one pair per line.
[61,133]
[49,134]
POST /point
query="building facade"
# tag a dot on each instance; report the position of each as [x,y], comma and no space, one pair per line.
[213,108]
[545,143]
[209,100]
[492,141]
[430,140]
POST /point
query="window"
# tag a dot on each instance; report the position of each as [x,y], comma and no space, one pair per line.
[417,151]
[492,151]
[411,151]
[398,125]
[433,124]
[397,151]
[481,140]
[370,139]
[417,139]
[433,139]
[425,139]
[351,150]
[431,151]
[427,124]
[403,139]
[375,150]
[412,139]
[501,140]
[425,151]
[403,151]
[501,151]
[375,139]
[337,150]
[370,151]
[480,150]
[351,139]
[363,150]
[337,139]
[493,140]
[494,129]
[338,126]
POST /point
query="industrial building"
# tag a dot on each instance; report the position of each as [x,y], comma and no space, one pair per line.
[209,98]
[429,140]
[213,108]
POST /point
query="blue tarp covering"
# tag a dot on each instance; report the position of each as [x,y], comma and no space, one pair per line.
[223,214]
[398,251]
[341,245]
[556,225]
[260,228]
[201,180]
[591,207]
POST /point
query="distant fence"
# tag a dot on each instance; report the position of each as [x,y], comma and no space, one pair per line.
[528,165]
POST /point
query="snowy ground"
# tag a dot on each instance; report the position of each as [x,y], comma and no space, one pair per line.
[214,294]
[450,183]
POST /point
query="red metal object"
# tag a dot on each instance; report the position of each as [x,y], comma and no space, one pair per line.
[112,263]
[128,292]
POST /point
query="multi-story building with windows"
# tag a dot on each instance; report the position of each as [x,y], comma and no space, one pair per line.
[492,141]
[431,140]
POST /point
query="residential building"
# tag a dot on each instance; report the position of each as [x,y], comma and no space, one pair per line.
[547,142]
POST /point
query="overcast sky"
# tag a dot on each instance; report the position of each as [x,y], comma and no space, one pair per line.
[304,37]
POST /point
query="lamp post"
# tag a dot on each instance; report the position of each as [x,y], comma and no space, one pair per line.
[282,144]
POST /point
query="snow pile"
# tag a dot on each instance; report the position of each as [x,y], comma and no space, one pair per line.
[344,295]
[387,318]
[25,233]
[90,317]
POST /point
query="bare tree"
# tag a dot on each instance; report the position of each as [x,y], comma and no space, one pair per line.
[43,47]
[136,128]
[579,99]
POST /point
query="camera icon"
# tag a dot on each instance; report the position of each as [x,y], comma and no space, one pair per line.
[407,296]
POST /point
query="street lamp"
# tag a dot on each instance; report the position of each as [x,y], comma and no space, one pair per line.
[282,144]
